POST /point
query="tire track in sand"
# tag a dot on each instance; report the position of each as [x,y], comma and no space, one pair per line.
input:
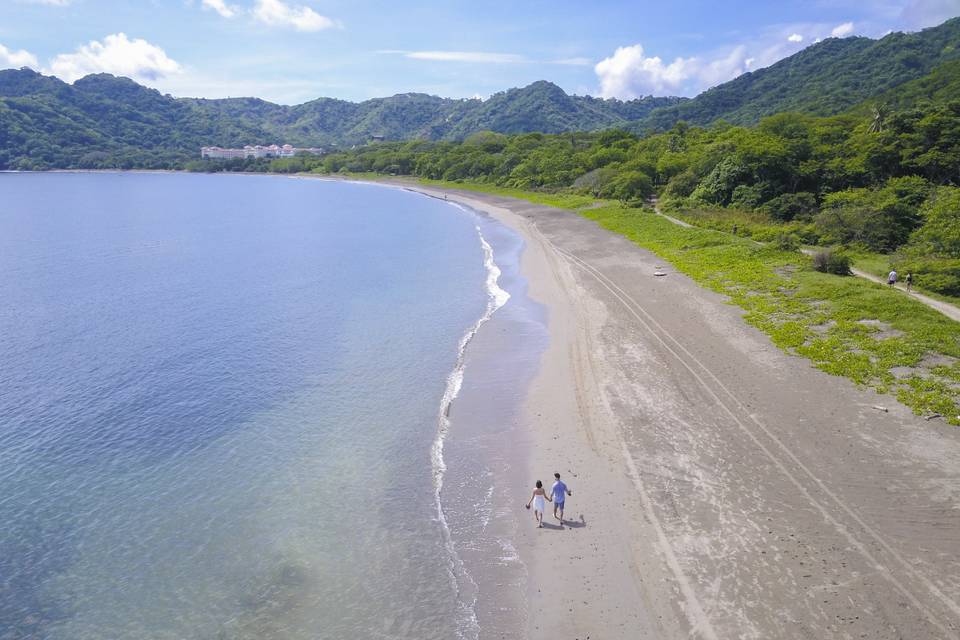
[741,416]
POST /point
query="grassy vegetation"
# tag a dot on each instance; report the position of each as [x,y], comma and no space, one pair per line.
[878,264]
[757,226]
[744,223]
[846,326]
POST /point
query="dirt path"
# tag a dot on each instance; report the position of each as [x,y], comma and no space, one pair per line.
[947,309]
[950,310]
[758,496]
[676,221]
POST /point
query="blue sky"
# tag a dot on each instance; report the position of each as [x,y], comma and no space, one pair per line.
[290,51]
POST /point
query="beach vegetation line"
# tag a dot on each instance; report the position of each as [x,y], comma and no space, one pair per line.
[874,335]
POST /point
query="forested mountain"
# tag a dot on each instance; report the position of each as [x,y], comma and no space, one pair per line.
[941,85]
[104,121]
[824,79]
[100,121]
[544,107]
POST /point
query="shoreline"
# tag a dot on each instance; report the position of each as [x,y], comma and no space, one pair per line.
[496,298]
[721,487]
[561,429]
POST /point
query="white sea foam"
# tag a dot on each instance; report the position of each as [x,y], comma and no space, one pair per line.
[467,624]
[485,508]
[509,553]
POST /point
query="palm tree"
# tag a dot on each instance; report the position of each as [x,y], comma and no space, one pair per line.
[880,113]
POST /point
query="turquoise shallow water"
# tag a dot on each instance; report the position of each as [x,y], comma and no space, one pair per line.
[218,401]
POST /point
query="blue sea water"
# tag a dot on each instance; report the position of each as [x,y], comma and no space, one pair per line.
[219,399]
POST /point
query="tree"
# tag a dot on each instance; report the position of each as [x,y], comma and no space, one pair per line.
[940,232]
[629,185]
[880,219]
[878,117]
[789,206]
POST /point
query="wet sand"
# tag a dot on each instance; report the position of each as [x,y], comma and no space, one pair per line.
[721,488]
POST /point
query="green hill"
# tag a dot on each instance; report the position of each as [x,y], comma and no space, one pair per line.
[824,79]
[101,120]
[941,85]
[104,121]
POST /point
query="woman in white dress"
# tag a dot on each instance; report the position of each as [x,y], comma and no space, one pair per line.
[539,506]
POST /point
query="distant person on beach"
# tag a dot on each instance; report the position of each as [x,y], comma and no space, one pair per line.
[559,491]
[909,281]
[539,506]
[892,277]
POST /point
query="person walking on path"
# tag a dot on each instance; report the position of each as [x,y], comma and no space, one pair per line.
[909,281]
[539,506]
[559,491]
[892,277]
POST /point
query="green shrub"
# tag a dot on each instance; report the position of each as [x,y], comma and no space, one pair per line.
[790,206]
[748,196]
[628,185]
[831,261]
[940,233]
[787,242]
[682,184]
[940,275]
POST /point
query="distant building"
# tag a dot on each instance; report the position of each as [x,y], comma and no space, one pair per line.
[258,151]
[217,152]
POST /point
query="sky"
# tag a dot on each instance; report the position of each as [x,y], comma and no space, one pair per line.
[291,51]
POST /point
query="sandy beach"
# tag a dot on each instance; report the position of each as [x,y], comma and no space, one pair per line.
[721,488]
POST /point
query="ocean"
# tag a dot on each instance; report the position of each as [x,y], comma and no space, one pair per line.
[225,409]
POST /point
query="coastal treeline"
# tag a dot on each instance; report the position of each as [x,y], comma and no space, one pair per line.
[878,179]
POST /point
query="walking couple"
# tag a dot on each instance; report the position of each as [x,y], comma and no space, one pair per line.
[558,494]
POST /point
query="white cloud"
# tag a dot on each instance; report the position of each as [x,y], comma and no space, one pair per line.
[842,30]
[725,68]
[220,7]
[16,59]
[631,72]
[54,3]
[279,14]
[118,55]
[465,56]
[927,13]
[628,73]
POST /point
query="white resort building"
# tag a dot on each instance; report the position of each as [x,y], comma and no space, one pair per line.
[272,151]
